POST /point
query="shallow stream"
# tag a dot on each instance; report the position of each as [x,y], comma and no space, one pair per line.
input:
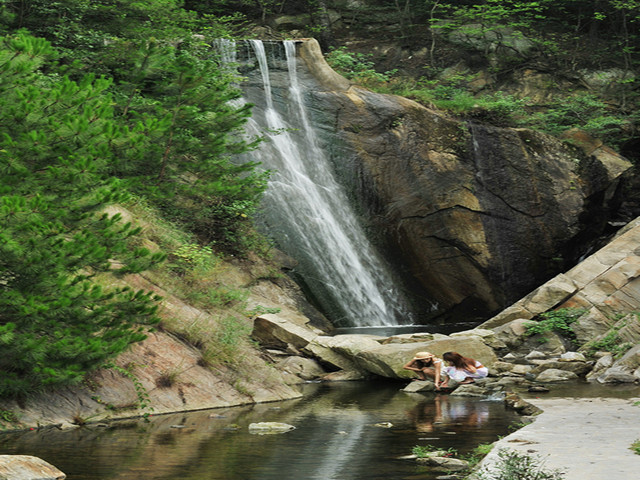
[343,431]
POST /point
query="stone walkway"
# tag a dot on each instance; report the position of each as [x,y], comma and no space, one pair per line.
[588,439]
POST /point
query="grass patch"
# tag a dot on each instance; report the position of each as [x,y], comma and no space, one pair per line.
[424,451]
[512,465]
[478,453]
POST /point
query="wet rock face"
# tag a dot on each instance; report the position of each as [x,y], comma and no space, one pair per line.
[477,215]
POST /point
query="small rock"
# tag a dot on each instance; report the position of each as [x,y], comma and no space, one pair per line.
[384,425]
[263,428]
[572,357]
[420,386]
[555,375]
[538,388]
[617,375]
[535,355]
[407,457]
[445,463]
[521,369]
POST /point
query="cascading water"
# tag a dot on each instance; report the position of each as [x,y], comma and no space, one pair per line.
[307,211]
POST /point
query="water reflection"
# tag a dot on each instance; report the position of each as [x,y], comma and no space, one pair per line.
[445,413]
[340,433]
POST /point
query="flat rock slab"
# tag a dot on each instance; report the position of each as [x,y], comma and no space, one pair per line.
[587,438]
[27,467]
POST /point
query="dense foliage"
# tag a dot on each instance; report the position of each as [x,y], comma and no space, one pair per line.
[478,50]
[128,101]
[55,322]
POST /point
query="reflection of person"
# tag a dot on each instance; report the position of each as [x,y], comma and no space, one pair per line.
[426,364]
[463,369]
[427,416]
[444,412]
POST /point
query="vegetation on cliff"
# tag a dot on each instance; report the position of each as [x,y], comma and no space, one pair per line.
[83,127]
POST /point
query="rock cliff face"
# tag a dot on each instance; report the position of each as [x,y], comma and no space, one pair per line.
[476,215]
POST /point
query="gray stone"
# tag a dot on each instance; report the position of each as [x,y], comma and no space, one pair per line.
[470,390]
[344,376]
[617,375]
[572,357]
[304,368]
[535,355]
[591,325]
[555,375]
[600,366]
[270,427]
[420,386]
[444,463]
[512,333]
[521,369]
[577,367]
[501,367]
[270,330]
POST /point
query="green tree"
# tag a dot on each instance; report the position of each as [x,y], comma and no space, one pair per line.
[188,168]
[56,136]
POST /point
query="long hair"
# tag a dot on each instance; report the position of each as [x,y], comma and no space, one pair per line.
[460,362]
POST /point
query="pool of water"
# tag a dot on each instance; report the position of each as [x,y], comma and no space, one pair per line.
[343,430]
[389,330]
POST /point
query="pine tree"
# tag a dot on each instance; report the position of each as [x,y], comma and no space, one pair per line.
[188,170]
[57,139]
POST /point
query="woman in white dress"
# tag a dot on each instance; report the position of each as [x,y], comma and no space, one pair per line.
[462,369]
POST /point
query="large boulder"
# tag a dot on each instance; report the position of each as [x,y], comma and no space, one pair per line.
[388,360]
[338,352]
[273,331]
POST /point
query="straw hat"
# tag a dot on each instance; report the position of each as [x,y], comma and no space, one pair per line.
[423,356]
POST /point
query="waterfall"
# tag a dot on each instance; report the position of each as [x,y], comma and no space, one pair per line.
[307,212]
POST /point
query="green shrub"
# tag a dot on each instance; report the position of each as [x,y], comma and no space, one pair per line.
[512,465]
[423,451]
[558,321]
[357,67]
[611,342]
[585,111]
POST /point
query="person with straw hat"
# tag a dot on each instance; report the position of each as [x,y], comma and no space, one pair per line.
[426,364]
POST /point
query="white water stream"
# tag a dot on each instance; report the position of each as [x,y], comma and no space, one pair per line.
[307,211]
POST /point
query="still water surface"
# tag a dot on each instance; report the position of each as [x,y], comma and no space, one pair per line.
[337,436]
